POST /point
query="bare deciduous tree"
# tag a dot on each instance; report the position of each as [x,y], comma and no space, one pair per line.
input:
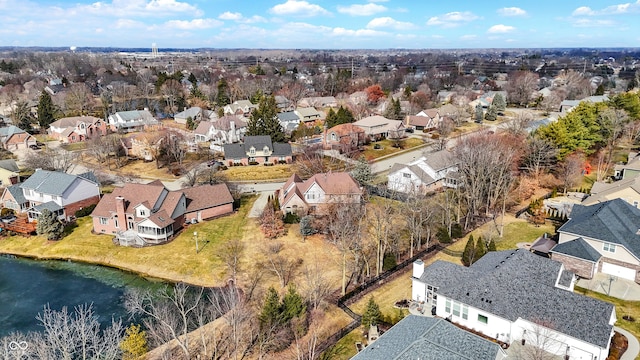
[231,254]
[78,98]
[312,161]
[344,229]
[521,86]
[316,285]
[541,342]
[51,159]
[571,170]
[281,265]
[540,155]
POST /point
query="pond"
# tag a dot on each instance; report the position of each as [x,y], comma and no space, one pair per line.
[26,286]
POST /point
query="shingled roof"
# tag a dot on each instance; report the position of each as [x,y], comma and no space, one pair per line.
[578,248]
[426,338]
[52,182]
[517,284]
[614,221]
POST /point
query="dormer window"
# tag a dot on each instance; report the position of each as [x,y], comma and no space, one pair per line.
[266,149]
[252,151]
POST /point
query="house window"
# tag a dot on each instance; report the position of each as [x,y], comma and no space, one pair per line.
[456,309]
[407,175]
[609,247]
[465,312]
[142,212]
[252,151]
[103,221]
[334,137]
[447,306]
[482,319]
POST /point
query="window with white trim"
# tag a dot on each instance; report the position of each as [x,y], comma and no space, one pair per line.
[447,306]
[104,221]
[407,175]
[465,312]
[456,309]
[609,247]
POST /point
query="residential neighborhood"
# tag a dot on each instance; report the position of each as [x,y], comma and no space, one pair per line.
[349,204]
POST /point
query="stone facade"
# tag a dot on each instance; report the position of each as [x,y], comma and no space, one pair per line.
[583,268]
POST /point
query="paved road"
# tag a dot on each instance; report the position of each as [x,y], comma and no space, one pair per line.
[404,158]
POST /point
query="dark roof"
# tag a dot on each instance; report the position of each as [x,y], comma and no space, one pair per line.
[426,338]
[259,142]
[50,205]
[10,165]
[239,151]
[288,116]
[17,193]
[50,182]
[578,248]
[516,284]
[614,221]
[234,151]
[281,149]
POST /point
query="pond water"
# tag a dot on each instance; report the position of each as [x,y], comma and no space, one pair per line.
[26,286]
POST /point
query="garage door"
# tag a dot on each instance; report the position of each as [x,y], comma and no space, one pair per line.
[619,271]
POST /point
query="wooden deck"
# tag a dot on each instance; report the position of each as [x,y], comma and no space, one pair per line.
[20,225]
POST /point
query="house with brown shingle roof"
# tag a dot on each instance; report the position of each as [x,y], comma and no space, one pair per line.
[424,120]
[13,138]
[302,197]
[150,214]
[77,128]
[344,138]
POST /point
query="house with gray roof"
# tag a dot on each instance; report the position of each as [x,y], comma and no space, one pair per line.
[428,173]
[195,113]
[9,172]
[62,193]
[568,105]
[515,295]
[134,120]
[257,150]
[289,120]
[601,238]
[427,338]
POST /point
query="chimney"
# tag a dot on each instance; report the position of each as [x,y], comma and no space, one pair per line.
[122,217]
[232,126]
[418,268]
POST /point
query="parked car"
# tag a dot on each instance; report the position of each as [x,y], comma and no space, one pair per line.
[34,147]
[8,219]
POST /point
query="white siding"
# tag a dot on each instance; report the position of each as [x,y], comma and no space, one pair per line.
[314,195]
[620,254]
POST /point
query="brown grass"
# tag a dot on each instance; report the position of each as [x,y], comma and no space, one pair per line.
[258,172]
[387,147]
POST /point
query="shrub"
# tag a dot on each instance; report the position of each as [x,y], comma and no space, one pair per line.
[6,211]
[456,231]
[253,163]
[85,211]
[389,261]
[291,218]
[443,235]
[377,147]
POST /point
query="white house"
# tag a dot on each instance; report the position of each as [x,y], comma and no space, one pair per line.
[428,173]
[133,120]
[225,130]
[195,113]
[515,295]
[239,107]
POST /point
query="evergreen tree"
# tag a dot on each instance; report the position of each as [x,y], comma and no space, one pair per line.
[492,114]
[264,120]
[332,119]
[46,110]
[372,314]
[600,90]
[481,249]
[479,113]
[362,171]
[492,245]
[256,96]
[345,116]
[306,226]
[292,304]
[270,315]
[134,344]
[222,98]
[190,123]
[393,111]
[49,226]
[500,103]
[469,251]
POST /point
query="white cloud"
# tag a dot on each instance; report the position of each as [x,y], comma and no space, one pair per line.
[139,8]
[361,10]
[127,24]
[617,9]
[195,24]
[590,22]
[228,15]
[512,11]
[500,29]
[468,37]
[452,19]
[299,8]
[360,32]
[582,11]
[387,22]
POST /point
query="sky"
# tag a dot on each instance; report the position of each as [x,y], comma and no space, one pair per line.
[320,24]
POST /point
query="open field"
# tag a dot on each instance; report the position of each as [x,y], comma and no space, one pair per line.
[175,261]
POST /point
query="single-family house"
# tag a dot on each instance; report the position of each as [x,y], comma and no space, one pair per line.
[195,113]
[13,138]
[428,173]
[629,170]
[517,296]
[568,105]
[301,197]
[424,120]
[239,107]
[627,190]
[283,103]
[9,172]
[62,193]
[344,137]
[289,120]
[601,238]
[77,128]
[134,120]
[143,145]
[257,150]
[225,130]
[309,115]
[379,127]
[318,102]
[150,214]
[421,337]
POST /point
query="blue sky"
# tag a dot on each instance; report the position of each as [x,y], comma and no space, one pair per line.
[320,24]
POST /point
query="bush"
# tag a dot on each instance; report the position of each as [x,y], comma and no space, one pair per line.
[291,218]
[253,163]
[389,262]
[6,212]
[377,147]
[85,211]
[443,235]
[456,231]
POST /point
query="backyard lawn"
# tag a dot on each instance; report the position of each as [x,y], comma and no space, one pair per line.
[258,172]
[176,260]
[386,147]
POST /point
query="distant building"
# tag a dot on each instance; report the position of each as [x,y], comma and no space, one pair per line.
[135,120]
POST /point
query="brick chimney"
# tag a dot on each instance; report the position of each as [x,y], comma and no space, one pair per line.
[122,217]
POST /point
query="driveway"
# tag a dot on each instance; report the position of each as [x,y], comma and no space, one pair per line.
[259,205]
[613,286]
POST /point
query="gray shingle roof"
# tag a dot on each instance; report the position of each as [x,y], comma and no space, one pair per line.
[49,205]
[9,164]
[440,160]
[578,248]
[49,182]
[281,149]
[258,142]
[239,151]
[17,194]
[288,116]
[614,221]
[234,151]
[516,284]
[425,338]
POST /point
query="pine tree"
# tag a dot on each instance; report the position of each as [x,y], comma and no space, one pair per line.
[332,119]
[270,315]
[134,343]
[292,304]
[500,103]
[481,249]
[362,171]
[45,110]
[222,98]
[49,226]
[372,314]
[306,226]
[469,251]
[479,113]
[492,113]
[492,245]
[345,116]
[264,120]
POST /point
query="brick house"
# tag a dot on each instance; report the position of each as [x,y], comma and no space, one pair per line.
[344,137]
[301,197]
[13,138]
[150,214]
[62,193]
[257,150]
[77,128]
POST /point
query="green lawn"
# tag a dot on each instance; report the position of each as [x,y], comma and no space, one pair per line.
[176,260]
[386,147]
